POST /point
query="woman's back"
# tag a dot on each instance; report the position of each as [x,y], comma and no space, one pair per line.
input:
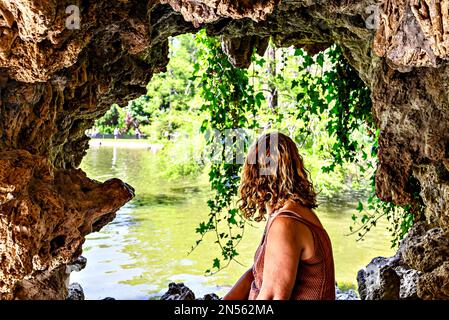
[297,250]
[315,278]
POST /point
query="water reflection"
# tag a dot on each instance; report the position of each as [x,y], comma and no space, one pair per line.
[114,156]
[145,247]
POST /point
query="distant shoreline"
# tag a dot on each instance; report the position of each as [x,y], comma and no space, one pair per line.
[125,143]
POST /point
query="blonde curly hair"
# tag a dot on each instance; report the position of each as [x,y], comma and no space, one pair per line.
[272,174]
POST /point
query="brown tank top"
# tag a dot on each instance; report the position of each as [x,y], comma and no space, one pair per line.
[315,278]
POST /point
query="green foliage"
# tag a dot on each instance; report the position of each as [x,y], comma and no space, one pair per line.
[168,124]
[331,89]
[318,100]
[230,103]
[400,217]
[182,154]
[168,113]
[174,89]
[168,91]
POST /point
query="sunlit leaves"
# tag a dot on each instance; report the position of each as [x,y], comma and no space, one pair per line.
[216,263]
[230,102]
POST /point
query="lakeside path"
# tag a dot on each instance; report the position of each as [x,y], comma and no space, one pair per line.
[125,143]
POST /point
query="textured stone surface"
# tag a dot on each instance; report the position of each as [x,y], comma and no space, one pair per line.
[76,292]
[411,110]
[179,291]
[421,264]
[388,279]
[426,249]
[210,296]
[413,33]
[379,280]
[77,265]
[435,191]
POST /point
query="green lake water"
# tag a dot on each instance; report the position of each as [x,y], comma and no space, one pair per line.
[145,248]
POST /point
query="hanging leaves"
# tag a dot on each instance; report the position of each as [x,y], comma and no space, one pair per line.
[230,103]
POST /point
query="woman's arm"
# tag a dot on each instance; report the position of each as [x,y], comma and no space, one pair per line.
[240,291]
[282,254]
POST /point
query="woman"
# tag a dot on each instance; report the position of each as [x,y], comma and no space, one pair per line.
[294,259]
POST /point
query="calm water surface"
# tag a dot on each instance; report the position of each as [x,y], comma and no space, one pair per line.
[145,247]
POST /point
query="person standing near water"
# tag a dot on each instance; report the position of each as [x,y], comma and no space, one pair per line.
[294,260]
[116,133]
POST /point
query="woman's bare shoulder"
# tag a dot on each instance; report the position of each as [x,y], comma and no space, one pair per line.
[285,233]
[304,212]
[285,229]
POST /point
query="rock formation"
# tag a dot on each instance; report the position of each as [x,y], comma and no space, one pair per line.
[179,291]
[63,63]
[76,292]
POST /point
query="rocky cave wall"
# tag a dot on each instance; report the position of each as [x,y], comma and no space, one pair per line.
[56,80]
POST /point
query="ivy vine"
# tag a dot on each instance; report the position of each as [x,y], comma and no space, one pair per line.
[230,102]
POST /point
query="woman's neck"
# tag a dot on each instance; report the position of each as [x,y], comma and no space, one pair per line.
[270,209]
